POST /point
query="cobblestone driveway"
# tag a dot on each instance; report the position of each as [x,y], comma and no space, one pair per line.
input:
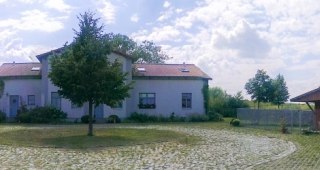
[217,150]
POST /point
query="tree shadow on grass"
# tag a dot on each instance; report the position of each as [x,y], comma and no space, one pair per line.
[73,138]
[89,142]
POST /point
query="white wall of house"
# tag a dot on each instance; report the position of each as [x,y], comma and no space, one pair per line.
[169,96]
[77,112]
[22,88]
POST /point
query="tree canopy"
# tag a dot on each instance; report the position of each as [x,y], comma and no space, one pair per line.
[280,91]
[259,87]
[264,89]
[145,52]
[223,103]
[83,72]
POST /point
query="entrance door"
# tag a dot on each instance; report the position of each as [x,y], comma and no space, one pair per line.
[14,105]
[98,112]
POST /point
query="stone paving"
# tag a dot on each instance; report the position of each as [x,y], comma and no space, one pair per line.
[217,149]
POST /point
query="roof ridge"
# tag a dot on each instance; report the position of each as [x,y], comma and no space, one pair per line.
[161,64]
[24,63]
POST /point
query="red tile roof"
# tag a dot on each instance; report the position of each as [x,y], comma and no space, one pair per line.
[311,96]
[19,69]
[169,70]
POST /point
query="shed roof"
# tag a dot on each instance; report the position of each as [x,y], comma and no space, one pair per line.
[20,69]
[311,96]
[169,70]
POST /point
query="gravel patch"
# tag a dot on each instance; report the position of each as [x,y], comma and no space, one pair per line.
[217,149]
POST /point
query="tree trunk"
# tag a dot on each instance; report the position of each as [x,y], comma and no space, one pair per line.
[258,105]
[90,129]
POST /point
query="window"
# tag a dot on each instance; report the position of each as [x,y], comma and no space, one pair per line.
[55,100]
[186,100]
[31,100]
[118,105]
[74,106]
[147,100]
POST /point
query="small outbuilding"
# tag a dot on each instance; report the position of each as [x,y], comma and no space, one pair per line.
[312,96]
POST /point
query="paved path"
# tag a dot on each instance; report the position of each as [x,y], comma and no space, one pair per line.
[217,150]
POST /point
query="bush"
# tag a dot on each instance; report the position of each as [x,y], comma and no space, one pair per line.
[113,119]
[3,116]
[214,116]
[198,118]
[309,131]
[85,119]
[235,122]
[41,115]
[142,118]
[145,118]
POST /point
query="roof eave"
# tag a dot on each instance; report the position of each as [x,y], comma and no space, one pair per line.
[172,77]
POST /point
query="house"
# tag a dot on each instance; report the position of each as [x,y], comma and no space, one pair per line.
[159,89]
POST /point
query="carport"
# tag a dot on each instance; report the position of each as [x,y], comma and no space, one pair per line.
[312,96]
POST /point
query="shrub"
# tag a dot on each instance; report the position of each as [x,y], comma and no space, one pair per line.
[141,118]
[85,119]
[214,116]
[3,116]
[198,118]
[235,122]
[41,115]
[113,119]
[283,125]
[309,131]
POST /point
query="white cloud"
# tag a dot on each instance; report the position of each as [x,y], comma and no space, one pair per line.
[107,10]
[166,4]
[34,20]
[134,18]
[58,5]
[179,10]
[158,34]
[277,36]
[246,41]
[12,48]
[28,1]
[3,1]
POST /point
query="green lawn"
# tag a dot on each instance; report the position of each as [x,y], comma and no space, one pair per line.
[74,136]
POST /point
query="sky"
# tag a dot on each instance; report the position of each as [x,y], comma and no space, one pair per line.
[229,40]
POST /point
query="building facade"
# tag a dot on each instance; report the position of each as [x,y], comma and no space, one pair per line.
[158,89]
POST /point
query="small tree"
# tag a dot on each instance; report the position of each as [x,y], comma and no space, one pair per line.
[280,91]
[260,87]
[83,72]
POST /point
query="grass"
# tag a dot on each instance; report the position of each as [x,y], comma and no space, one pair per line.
[74,136]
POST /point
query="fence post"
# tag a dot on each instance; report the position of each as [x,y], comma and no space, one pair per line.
[299,120]
[291,121]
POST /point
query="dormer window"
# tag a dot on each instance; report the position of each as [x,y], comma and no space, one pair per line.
[141,69]
[184,69]
[35,69]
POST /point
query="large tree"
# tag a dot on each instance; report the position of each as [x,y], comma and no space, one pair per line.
[260,87]
[83,72]
[144,52]
[280,91]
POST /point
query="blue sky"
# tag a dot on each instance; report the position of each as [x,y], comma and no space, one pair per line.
[229,40]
